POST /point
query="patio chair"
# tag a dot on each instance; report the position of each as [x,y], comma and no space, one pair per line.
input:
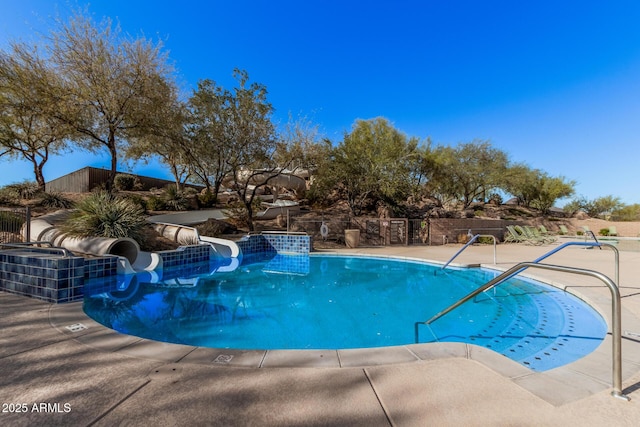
[534,233]
[563,230]
[545,236]
[528,237]
[544,231]
[613,231]
[512,236]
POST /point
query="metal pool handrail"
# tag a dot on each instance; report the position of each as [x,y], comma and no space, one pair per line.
[511,272]
[65,252]
[473,239]
[615,308]
[588,244]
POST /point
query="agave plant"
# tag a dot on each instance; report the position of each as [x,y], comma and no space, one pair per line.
[104,215]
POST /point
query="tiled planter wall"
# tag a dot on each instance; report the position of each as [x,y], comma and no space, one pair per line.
[47,276]
[50,277]
[275,243]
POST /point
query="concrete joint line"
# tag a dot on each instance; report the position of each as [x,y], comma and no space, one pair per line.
[386,412]
[120,402]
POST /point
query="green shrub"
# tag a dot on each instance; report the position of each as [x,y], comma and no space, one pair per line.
[9,197]
[207,199]
[55,200]
[190,191]
[519,212]
[495,198]
[485,240]
[478,212]
[236,213]
[604,231]
[134,198]
[26,189]
[174,200]
[104,215]
[215,228]
[155,203]
[126,182]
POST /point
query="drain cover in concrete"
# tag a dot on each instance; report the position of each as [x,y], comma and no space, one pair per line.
[223,358]
[76,327]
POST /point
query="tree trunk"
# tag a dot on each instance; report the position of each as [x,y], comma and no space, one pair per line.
[176,175]
[37,170]
[114,160]
[249,213]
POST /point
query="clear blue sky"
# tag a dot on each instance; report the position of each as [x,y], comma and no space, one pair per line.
[555,84]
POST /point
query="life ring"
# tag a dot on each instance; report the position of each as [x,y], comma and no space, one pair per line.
[324,230]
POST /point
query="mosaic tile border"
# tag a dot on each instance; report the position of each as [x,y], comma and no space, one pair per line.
[276,243]
[46,275]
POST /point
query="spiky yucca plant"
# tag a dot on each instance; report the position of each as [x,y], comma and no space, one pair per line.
[174,199]
[104,215]
[55,200]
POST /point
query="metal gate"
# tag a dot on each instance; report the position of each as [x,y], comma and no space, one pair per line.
[12,222]
[398,232]
[386,231]
[418,231]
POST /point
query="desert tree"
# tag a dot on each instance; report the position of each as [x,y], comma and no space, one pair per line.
[110,82]
[534,187]
[552,188]
[600,207]
[468,171]
[300,145]
[164,135]
[372,163]
[301,149]
[626,213]
[210,133]
[28,90]
[232,139]
[522,182]
[422,169]
[252,141]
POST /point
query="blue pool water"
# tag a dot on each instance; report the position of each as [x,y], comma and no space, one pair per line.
[335,302]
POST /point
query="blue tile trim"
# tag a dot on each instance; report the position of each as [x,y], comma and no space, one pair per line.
[186,255]
[276,243]
[47,276]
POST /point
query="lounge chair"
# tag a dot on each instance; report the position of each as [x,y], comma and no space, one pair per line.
[543,230]
[534,233]
[563,230]
[613,231]
[544,234]
[512,236]
[527,235]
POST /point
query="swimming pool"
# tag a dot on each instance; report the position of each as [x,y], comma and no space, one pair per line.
[338,302]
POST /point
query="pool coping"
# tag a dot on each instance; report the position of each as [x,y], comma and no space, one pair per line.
[582,378]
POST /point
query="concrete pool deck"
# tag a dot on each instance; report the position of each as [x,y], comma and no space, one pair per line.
[68,370]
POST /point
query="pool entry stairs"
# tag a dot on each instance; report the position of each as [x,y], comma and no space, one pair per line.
[544,323]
